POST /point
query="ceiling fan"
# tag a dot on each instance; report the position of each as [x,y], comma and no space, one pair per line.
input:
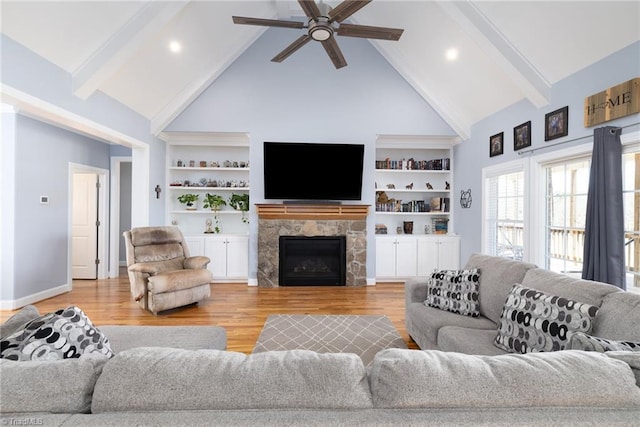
[325,22]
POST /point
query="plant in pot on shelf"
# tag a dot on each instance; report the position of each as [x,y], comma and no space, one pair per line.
[188,200]
[240,202]
[214,202]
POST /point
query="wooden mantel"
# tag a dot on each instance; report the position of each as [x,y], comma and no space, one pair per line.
[311,211]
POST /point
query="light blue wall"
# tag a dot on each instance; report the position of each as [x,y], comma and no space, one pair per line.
[306,99]
[27,72]
[473,155]
[43,153]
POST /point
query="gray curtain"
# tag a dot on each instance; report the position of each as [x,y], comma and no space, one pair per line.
[604,229]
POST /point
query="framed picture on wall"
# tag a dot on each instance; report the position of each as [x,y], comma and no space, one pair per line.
[556,124]
[496,144]
[522,136]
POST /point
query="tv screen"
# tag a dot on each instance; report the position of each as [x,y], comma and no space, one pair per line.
[313,171]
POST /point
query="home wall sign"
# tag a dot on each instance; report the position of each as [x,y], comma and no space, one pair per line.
[617,101]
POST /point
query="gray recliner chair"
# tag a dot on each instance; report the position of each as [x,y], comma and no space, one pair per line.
[161,272]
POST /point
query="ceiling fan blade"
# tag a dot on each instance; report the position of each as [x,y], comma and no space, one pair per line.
[369,32]
[301,41]
[334,52]
[346,9]
[310,8]
[267,22]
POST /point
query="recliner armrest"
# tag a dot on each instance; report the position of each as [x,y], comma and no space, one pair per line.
[144,267]
[196,262]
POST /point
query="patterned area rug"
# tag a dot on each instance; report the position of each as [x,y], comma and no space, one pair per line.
[362,335]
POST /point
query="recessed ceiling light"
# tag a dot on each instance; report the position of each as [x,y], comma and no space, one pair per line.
[451,54]
[175,47]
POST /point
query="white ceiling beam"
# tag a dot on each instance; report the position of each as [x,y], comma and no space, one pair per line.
[533,85]
[107,59]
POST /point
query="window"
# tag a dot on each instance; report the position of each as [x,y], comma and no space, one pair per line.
[631,199]
[504,213]
[566,188]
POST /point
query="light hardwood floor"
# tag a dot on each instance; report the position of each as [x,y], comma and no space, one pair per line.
[240,309]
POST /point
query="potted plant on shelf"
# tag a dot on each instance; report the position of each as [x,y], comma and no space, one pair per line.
[188,200]
[214,202]
[240,202]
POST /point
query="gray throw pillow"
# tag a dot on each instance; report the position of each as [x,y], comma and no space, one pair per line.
[534,321]
[64,334]
[586,342]
[18,320]
[455,291]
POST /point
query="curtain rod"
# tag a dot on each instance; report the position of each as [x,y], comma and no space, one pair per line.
[615,129]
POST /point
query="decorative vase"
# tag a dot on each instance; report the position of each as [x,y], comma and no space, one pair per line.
[408,227]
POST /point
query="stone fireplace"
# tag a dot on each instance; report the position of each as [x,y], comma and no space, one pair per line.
[275,221]
[310,261]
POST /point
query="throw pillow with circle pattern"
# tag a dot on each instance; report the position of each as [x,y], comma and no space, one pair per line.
[64,334]
[534,321]
[455,291]
[586,342]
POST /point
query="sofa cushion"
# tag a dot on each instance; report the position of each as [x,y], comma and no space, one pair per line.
[455,291]
[124,337]
[619,317]
[426,322]
[213,379]
[630,358]
[64,334]
[553,283]
[469,341]
[497,275]
[60,386]
[18,320]
[435,379]
[586,342]
[534,321]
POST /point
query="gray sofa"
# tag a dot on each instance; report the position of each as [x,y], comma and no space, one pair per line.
[618,316]
[181,376]
[154,386]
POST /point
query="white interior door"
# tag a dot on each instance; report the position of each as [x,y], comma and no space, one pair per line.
[84,226]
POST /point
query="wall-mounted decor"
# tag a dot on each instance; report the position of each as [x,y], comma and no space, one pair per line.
[617,101]
[522,136]
[496,144]
[556,124]
[465,198]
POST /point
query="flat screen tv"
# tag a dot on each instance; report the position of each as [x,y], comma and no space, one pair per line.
[298,171]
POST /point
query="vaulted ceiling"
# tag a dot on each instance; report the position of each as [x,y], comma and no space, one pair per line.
[507,51]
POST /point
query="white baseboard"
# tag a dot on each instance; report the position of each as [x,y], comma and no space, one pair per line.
[371,282]
[252,282]
[30,299]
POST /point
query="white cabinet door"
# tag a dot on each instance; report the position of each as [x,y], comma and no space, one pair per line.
[385,257]
[396,257]
[428,254]
[238,257]
[449,253]
[438,253]
[215,247]
[229,256]
[406,257]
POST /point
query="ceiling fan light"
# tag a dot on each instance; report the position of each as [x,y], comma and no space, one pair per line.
[320,34]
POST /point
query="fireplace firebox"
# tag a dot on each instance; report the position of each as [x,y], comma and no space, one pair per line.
[312,261]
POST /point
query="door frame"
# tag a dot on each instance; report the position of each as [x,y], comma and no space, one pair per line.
[103,217]
[114,228]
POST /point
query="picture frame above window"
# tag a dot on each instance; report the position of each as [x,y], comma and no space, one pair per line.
[522,136]
[496,144]
[556,124]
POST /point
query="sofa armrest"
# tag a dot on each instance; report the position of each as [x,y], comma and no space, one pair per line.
[196,262]
[145,267]
[415,290]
